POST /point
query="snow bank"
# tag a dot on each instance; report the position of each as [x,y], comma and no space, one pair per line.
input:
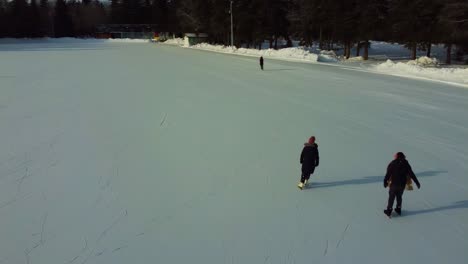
[216,48]
[297,54]
[419,68]
[423,67]
[175,41]
[294,53]
[128,40]
[327,56]
[353,59]
[424,62]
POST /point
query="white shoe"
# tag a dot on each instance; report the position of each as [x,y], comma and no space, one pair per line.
[305,182]
[300,185]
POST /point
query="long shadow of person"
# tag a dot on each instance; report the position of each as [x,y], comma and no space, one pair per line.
[279,70]
[370,179]
[456,205]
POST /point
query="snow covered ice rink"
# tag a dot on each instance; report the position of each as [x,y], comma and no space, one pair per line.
[142,153]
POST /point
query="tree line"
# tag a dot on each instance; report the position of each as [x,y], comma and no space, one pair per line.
[330,23]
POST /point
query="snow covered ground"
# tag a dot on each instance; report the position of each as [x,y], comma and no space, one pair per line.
[385,58]
[143,153]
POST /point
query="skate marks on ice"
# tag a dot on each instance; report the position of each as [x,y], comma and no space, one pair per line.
[94,252]
[82,251]
[44,221]
[20,168]
[326,248]
[454,206]
[163,120]
[104,200]
[342,236]
[371,179]
[38,244]
[37,159]
[338,243]
[15,200]
[106,194]
[337,239]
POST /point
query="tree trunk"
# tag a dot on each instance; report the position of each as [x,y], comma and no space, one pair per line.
[348,49]
[366,50]
[289,42]
[358,49]
[448,59]
[271,43]
[345,54]
[413,51]
[429,46]
[276,42]
[320,39]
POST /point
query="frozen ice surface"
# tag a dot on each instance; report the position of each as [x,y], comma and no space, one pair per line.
[142,153]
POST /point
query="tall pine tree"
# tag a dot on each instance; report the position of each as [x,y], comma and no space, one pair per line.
[46,26]
[63,26]
[4,18]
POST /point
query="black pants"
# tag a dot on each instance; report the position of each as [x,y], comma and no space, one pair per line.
[261,66]
[395,192]
[306,174]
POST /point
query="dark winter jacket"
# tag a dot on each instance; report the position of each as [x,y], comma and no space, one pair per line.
[397,172]
[309,157]
[261,60]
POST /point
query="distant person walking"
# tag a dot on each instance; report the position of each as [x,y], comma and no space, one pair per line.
[261,62]
[309,160]
[396,178]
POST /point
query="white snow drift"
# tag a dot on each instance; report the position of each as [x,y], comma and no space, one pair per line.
[423,67]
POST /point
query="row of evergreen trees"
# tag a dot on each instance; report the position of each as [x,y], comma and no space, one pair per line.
[416,23]
[42,18]
[79,18]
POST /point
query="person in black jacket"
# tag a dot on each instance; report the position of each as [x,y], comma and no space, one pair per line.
[261,62]
[397,172]
[309,160]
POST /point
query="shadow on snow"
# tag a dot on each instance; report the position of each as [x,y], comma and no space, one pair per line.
[379,179]
[370,180]
[278,69]
[455,205]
